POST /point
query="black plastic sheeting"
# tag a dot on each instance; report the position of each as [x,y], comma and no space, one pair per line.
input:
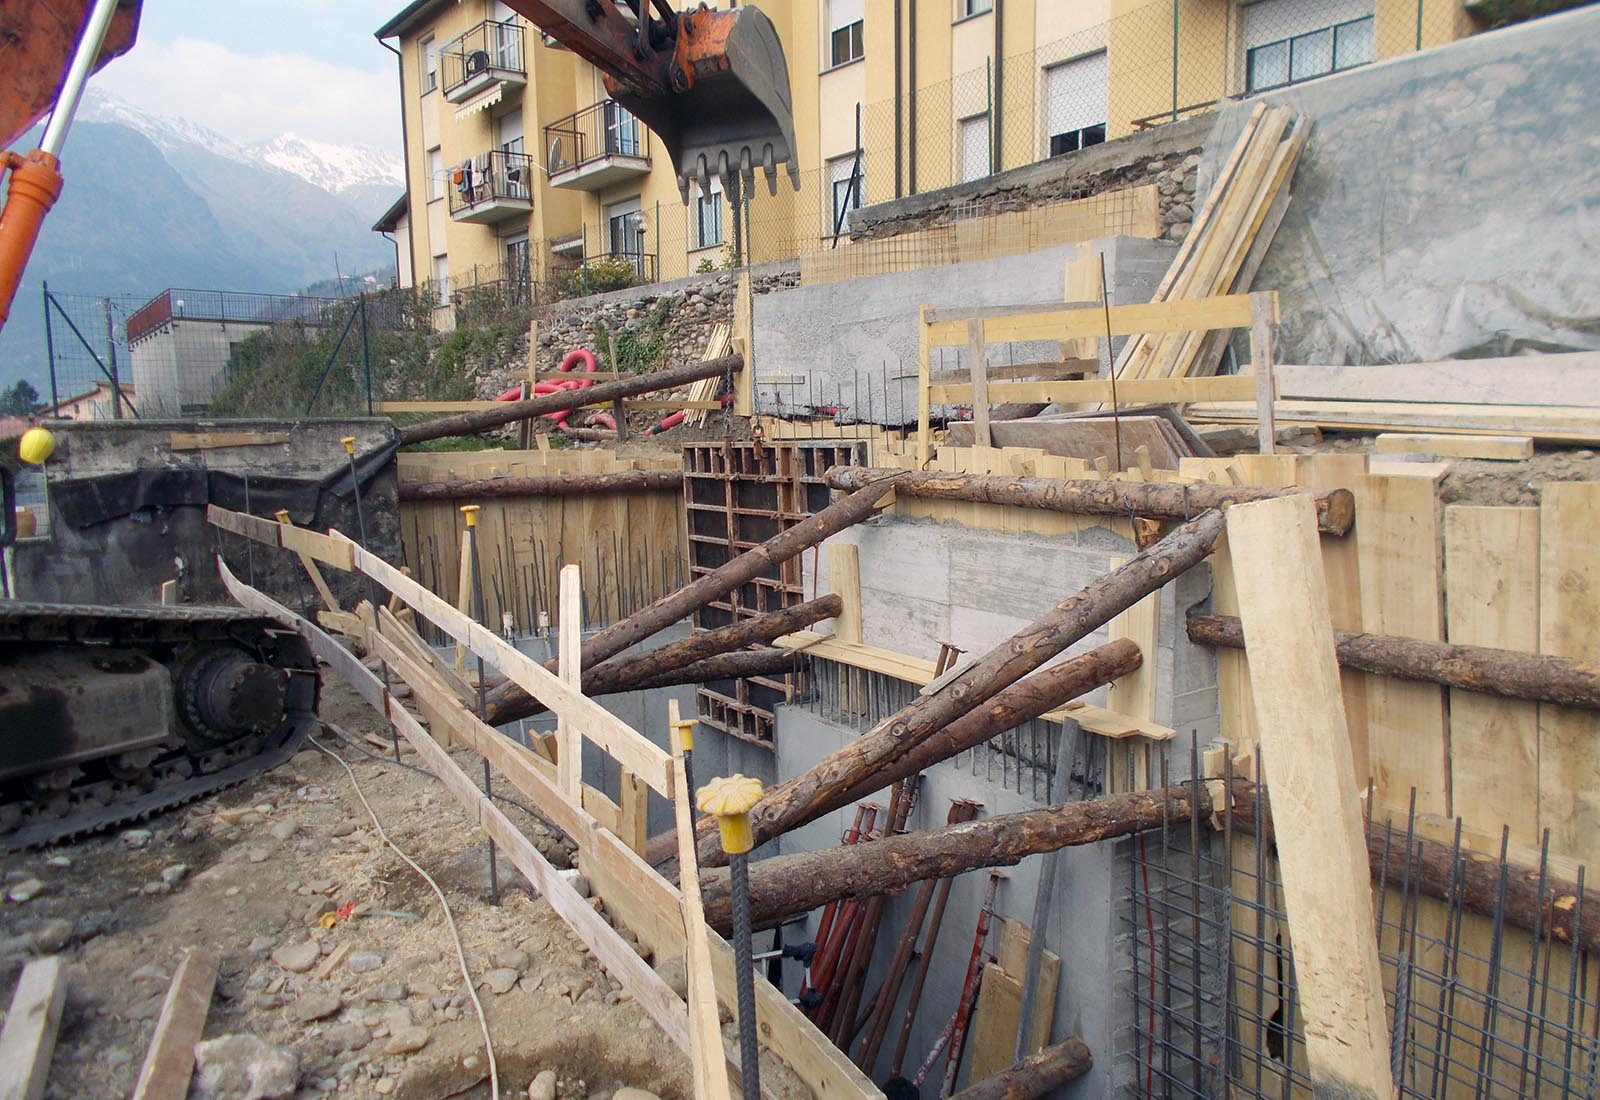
[85,502]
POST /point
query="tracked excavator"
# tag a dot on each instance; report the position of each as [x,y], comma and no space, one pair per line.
[109,715]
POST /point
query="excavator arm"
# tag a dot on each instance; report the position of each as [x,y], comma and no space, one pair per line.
[712,85]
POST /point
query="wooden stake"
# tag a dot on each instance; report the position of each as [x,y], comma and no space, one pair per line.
[170,1062]
[1305,747]
[29,1037]
[569,758]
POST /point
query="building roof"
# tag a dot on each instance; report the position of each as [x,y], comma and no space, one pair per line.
[409,17]
[101,389]
[13,426]
[392,216]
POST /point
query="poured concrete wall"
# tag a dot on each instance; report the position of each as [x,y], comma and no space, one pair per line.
[923,583]
[853,345]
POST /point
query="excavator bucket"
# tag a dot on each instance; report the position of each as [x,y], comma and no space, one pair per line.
[39,41]
[730,109]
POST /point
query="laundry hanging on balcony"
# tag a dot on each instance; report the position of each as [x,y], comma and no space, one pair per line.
[486,98]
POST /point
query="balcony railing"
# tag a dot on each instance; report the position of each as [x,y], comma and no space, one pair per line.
[596,147]
[226,306]
[600,273]
[491,187]
[487,53]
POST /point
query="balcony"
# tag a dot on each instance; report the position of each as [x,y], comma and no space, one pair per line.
[600,273]
[483,60]
[596,147]
[491,187]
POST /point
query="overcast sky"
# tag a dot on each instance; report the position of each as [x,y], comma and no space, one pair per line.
[251,69]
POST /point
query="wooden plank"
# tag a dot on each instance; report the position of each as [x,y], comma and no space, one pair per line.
[1407,736]
[1561,424]
[170,1061]
[251,527]
[1557,379]
[1569,626]
[210,441]
[1024,372]
[1322,854]
[948,327]
[1134,695]
[704,1026]
[994,1023]
[978,365]
[1492,568]
[1509,448]
[626,745]
[309,564]
[29,1038]
[1132,391]
[924,337]
[169,593]
[323,548]
[569,757]
[844,580]
[1261,328]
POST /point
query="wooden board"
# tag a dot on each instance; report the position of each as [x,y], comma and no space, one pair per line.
[1558,423]
[1294,676]
[1569,626]
[207,441]
[1492,563]
[1407,737]
[29,1037]
[170,1061]
[569,757]
[1131,391]
[1510,448]
[948,327]
[264,531]
[1561,379]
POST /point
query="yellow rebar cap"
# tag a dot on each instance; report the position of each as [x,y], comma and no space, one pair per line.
[471,512]
[349,442]
[731,799]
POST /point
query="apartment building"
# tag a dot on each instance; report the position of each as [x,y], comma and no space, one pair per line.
[520,169]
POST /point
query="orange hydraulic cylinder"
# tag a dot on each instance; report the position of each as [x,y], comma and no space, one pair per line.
[35,186]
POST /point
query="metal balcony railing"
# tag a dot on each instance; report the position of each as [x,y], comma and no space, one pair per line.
[603,130]
[238,307]
[487,49]
[491,177]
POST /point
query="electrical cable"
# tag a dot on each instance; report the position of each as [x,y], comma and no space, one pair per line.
[450,920]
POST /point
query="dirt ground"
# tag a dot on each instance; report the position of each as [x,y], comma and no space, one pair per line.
[249,874]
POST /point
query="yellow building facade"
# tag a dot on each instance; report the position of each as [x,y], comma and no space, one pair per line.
[520,168]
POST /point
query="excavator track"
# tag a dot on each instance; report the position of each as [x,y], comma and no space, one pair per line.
[104,792]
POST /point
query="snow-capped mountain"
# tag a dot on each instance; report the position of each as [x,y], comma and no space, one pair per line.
[332,167]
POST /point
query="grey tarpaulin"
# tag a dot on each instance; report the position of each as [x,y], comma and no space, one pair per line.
[1448,203]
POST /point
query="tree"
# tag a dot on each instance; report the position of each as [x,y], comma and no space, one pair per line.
[20,400]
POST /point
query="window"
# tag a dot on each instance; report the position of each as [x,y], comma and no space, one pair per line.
[974,148]
[441,277]
[846,192]
[625,232]
[1287,41]
[707,216]
[508,131]
[845,21]
[517,272]
[1075,104]
[622,131]
[435,174]
[430,64]
[966,8]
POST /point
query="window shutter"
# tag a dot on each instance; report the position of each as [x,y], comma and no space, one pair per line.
[1075,94]
[1274,20]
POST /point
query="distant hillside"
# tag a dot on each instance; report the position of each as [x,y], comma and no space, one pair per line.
[150,203]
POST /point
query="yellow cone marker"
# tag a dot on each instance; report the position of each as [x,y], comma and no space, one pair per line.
[731,799]
[471,512]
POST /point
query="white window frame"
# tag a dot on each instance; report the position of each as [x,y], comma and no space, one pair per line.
[627,208]
[1091,125]
[966,169]
[435,174]
[706,202]
[966,9]
[440,271]
[839,171]
[1281,24]
[847,18]
[427,51]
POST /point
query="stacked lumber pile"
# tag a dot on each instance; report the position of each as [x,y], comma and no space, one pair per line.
[1224,249]
[1555,398]
[707,388]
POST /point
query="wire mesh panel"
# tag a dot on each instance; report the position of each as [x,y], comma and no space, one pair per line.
[1479,1006]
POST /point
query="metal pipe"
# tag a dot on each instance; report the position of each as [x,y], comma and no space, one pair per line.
[471,512]
[969,987]
[83,61]
[831,910]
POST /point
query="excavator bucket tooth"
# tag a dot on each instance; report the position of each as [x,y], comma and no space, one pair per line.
[736,111]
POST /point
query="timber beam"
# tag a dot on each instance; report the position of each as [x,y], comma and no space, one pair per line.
[555,485]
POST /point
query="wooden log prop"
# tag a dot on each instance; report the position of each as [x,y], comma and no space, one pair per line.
[481,420]
[727,666]
[1507,673]
[1035,1076]
[555,485]
[785,885]
[825,787]
[507,702]
[626,673]
[1561,914]
[1336,508]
